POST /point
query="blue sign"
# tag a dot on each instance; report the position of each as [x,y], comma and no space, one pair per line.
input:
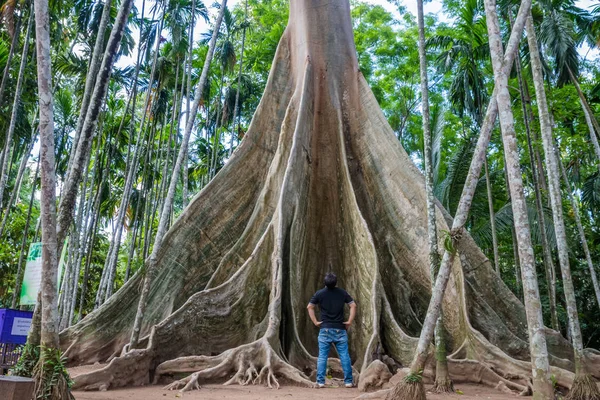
[14,325]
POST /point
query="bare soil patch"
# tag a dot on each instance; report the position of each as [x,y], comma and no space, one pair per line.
[236,392]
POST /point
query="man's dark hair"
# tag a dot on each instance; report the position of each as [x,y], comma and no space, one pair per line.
[330,280]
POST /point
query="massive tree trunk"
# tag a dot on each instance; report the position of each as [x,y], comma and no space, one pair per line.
[319,178]
[584,386]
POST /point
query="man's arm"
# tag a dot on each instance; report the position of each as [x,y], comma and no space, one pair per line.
[352,314]
[311,314]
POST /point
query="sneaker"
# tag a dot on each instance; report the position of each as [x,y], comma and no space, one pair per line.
[349,385]
[320,385]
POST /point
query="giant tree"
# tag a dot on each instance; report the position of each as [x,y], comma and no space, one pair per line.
[319,178]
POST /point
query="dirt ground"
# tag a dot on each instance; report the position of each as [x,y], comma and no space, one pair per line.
[236,392]
[257,392]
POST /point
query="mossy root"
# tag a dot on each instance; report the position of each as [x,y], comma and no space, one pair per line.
[584,388]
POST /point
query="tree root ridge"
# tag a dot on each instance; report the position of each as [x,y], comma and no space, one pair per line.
[583,388]
[253,363]
[408,389]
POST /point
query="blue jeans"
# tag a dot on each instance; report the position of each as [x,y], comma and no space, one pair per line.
[339,338]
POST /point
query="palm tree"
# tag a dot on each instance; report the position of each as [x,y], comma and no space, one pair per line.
[443,383]
[49,315]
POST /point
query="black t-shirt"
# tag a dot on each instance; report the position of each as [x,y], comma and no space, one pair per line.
[331,303]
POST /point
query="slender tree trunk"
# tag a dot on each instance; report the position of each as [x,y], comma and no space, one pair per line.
[89,251]
[164,217]
[78,239]
[492,219]
[403,390]
[69,195]
[113,252]
[90,79]
[593,137]
[581,389]
[581,231]
[546,250]
[23,252]
[188,97]
[235,123]
[443,383]
[15,109]
[49,321]
[13,45]
[542,385]
[15,192]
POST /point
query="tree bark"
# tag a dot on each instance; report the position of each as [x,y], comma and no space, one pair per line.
[49,335]
[164,216]
[543,388]
[546,250]
[13,46]
[15,108]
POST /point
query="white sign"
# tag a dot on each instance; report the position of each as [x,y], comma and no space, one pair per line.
[32,277]
[20,326]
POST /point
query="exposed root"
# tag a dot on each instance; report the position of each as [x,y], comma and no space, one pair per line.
[443,386]
[131,369]
[411,388]
[583,388]
[241,363]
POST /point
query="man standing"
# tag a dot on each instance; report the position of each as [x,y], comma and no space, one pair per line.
[331,300]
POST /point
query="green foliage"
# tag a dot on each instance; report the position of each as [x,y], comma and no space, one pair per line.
[414,377]
[25,366]
[52,378]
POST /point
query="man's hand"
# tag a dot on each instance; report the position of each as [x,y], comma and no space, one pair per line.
[311,314]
